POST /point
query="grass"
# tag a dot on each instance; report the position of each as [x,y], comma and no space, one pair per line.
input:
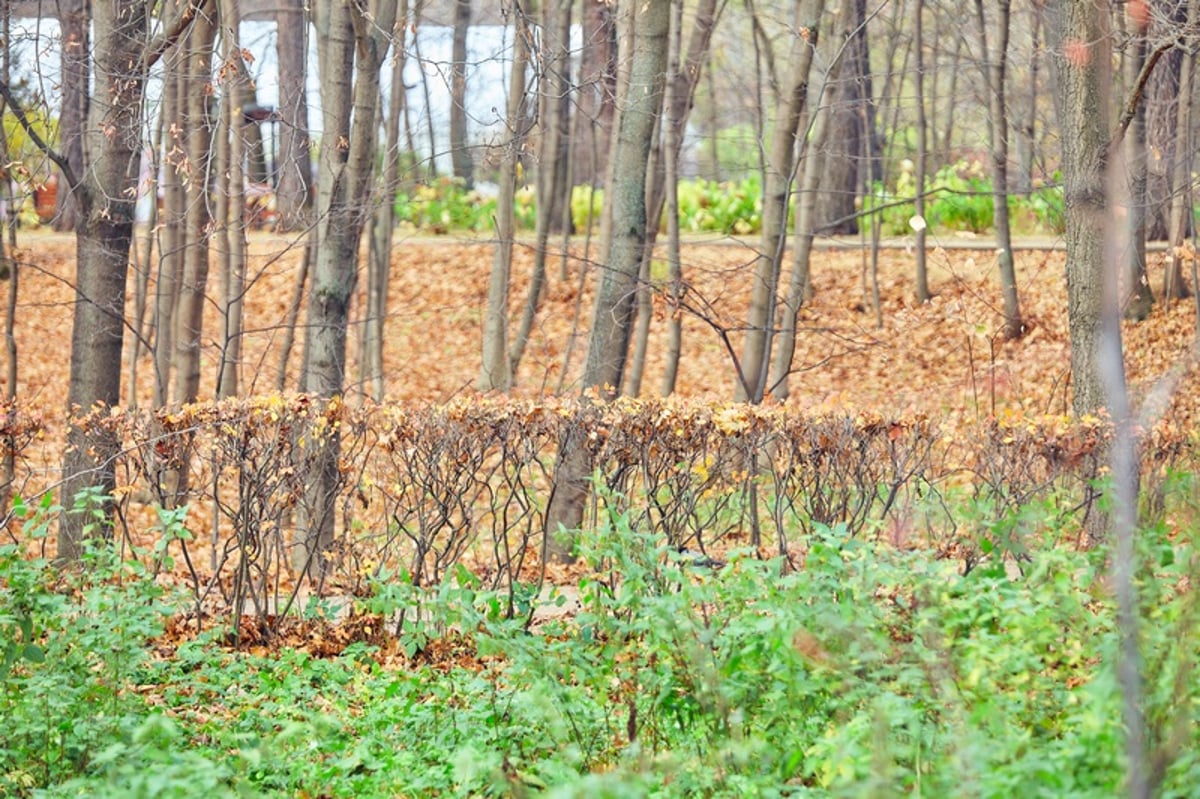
[867,672]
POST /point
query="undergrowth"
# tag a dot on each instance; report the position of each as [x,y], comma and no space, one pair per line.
[864,671]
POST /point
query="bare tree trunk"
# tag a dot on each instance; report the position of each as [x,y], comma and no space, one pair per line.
[75,20]
[172,234]
[920,169]
[231,217]
[841,183]
[597,90]
[1027,126]
[1181,174]
[383,220]
[777,189]
[12,267]
[996,61]
[1139,299]
[293,164]
[496,371]
[554,90]
[107,196]
[460,156]
[189,312]
[800,286]
[354,42]
[645,28]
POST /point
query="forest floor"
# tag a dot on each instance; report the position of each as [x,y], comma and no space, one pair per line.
[943,359]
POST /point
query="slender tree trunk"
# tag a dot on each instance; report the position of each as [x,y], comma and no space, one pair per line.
[1139,299]
[1181,173]
[777,189]
[460,155]
[496,371]
[920,169]
[646,29]
[800,286]
[995,68]
[383,220]
[172,234]
[1027,127]
[189,312]
[232,221]
[554,90]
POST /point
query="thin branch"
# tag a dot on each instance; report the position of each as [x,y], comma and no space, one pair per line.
[172,32]
[58,158]
[1139,88]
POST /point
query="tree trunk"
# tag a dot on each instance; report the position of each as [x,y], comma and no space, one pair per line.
[645,27]
[1162,117]
[919,170]
[106,194]
[231,222]
[293,164]
[354,42]
[1079,38]
[189,312]
[460,155]
[1139,299]
[383,220]
[841,183]
[597,91]
[1181,170]
[496,369]
[777,189]
[996,64]
[75,20]
[800,286]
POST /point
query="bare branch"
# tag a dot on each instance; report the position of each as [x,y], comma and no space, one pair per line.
[172,31]
[58,158]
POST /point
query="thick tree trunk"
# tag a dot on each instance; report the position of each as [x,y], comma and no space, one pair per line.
[841,182]
[1079,38]
[75,19]
[646,29]
[107,198]
[777,189]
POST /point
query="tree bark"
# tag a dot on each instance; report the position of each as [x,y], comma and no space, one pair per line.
[496,370]
[1139,299]
[777,188]
[646,29]
[293,166]
[353,44]
[75,21]
[231,222]
[106,192]
[460,155]
[841,182]
[597,91]
[995,67]
[1081,45]
[920,169]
